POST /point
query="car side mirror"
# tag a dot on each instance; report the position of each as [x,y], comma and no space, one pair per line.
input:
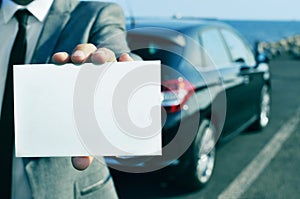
[262,58]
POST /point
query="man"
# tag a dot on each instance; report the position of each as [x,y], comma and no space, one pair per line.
[73,29]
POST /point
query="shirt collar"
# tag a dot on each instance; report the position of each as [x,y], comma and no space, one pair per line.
[38,8]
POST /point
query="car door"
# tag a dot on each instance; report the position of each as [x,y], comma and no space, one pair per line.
[243,58]
[217,59]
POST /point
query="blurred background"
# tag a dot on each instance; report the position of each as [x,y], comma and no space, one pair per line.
[275,24]
[256,164]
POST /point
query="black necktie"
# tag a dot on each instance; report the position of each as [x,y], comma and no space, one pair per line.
[17,56]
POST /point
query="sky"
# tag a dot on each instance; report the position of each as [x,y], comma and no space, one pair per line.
[222,9]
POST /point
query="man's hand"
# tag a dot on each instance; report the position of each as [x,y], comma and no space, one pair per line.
[87,53]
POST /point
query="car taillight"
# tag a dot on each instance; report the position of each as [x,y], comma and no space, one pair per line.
[175,93]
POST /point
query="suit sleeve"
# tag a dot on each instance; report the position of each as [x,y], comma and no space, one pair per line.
[109,29]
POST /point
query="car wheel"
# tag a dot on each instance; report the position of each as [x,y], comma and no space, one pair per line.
[203,153]
[264,107]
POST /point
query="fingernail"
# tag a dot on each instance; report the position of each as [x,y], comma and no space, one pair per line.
[80,163]
[125,55]
[79,54]
[101,52]
[99,56]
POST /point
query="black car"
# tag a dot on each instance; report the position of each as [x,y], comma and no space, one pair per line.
[213,88]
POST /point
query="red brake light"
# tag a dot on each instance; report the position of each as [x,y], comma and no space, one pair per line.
[175,94]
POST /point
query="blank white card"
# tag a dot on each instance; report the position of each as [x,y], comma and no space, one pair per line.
[101,110]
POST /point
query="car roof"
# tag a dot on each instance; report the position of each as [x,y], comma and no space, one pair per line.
[171,29]
[180,25]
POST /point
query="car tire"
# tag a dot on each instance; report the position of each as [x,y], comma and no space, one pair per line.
[263,110]
[202,160]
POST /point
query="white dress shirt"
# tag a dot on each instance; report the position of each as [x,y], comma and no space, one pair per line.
[8,31]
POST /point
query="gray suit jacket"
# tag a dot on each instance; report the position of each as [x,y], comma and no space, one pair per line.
[68,24]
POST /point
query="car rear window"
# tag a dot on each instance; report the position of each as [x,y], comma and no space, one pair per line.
[154,48]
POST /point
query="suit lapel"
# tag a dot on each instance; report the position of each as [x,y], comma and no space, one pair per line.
[56,20]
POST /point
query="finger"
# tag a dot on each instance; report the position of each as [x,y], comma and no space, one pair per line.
[60,58]
[82,53]
[82,163]
[103,55]
[125,57]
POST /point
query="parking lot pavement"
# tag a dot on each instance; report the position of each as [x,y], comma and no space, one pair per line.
[279,177]
[255,168]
